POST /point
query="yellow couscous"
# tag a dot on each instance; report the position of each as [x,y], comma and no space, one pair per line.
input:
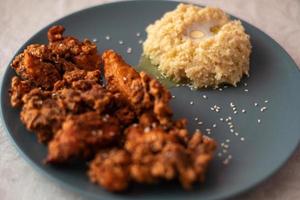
[199,45]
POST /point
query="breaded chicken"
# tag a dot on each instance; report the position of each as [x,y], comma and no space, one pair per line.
[143,93]
[82,136]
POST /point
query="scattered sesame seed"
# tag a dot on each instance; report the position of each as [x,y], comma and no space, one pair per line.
[121,42]
[263,109]
[224,151]
[138,34]
[222,144]
[258,121]
[191,102]
[124,78]
[229,123]
[243,110]
[227,140]
[221,119]
[147,129]
[255,104]
[235,112]
[234,108]
[229,156]
[226,146]
[246,90]
[231,126]
[200,123]
[196,118]
[173,96]
[245,84]
[140,41]
[214,125]
[197,130]
[220,89]
[129,50]
[229,118]
[211,108]
[242,139]
[107,37]
[232,105]
[231,130]
[95,40]
[204,96]
[236,134]
[266,101]
[208,129]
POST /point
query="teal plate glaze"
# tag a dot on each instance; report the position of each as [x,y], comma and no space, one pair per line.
[259,143]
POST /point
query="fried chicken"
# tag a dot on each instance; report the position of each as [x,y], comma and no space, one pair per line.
[123,123]
[18,89]
[152,154]
[81,136]
[143,93]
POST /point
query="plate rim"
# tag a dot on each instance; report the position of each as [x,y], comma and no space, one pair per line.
[83,192]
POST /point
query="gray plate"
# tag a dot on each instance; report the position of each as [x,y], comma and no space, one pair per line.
[274,77]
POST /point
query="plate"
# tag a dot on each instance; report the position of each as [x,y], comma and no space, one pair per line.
[247,154]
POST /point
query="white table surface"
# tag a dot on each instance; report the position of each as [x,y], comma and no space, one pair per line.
[20,19]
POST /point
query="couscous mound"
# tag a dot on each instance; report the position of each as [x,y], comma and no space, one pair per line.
[199,45]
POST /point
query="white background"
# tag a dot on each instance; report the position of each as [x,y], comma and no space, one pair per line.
[20,19]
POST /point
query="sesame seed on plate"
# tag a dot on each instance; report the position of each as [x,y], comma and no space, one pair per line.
[121,42]
[236,134]
[173,96]
[258,121]
[263,109]
[140,41]
[200,123]
[255,104]
[246,90]
[204,96]
[191,102]
[227,140]
[232,105]
[138,34]
[266,101]
[196,118]
[214,125]
[242,139]
[243,110]
[129,50]
[235,112]
[220,89]
[107,37]
[95,40]
[229,156]
[231,130]
[221,119]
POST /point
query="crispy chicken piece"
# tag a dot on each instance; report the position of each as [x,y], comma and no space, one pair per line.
[82,136]
[152,154]
[18,89]
[41,114]
[32,65]
[82,54]
[110,168]
[141,91]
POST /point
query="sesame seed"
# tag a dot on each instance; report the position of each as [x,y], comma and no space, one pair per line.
[229,118]
[263,109]
[227,140]
[266,101]
[129,50]
[229,156]
[147,129]
[242,139]
[140,41]
[95,40]
[246,90]
[107,37]
[235,112]
[224,151]
[124,78]
[243,111]
[121,42]
[191,102]
[173,96]
[177,85]
[255,104]
[231,130]
[220,89]
[208,129]
[200,123]
[229,123]
[197,130]
[236,134]
[234,108]
[204,96]
[221,119]
[232,105]
[222,144]
[138,34]
[196,118]
[258,121]
[226,146]
[214,125]
[245,84]
[231,126]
